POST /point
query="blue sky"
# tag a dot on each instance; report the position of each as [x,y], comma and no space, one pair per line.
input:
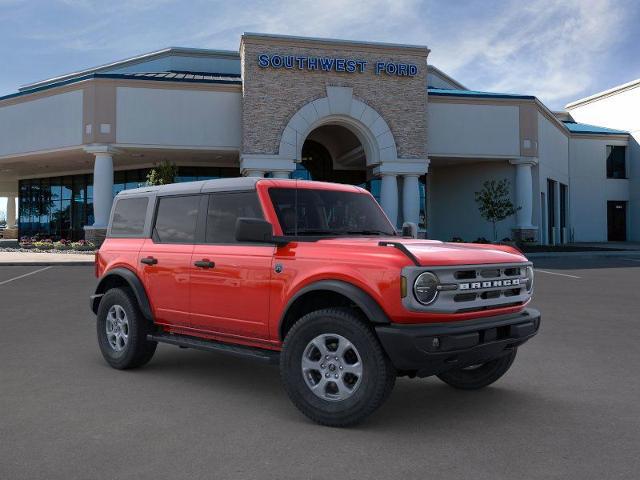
[557,50]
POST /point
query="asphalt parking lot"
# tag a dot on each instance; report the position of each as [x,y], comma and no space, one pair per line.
[569,407]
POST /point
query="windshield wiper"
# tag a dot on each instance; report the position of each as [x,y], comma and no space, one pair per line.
[316,231]
[369,232]
[312,231]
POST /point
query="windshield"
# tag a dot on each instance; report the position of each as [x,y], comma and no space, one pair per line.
[328,212]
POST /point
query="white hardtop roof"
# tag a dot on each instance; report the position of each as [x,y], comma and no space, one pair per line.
[219,184]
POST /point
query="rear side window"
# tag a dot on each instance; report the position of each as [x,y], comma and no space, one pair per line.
[224,209]
[176,219]
[128,217]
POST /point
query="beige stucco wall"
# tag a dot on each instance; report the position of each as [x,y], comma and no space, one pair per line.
[590,189]
[272,96]
[453,210]
[49,122]
[178,117]
[473,129]
[619,110]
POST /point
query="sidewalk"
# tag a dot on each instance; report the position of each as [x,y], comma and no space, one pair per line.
[38,259]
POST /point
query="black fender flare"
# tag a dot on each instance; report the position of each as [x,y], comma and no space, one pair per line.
[372,310]
[132,281]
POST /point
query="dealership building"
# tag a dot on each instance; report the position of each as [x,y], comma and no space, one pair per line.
[371,114]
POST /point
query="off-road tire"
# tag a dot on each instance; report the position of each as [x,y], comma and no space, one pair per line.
[378,375]
[138,350]
[480,377]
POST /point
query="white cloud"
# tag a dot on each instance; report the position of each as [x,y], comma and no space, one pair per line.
[546,48]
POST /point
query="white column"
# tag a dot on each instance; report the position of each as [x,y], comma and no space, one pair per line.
[524,193]
[11,212]
[102,188]
[254,173]
[389,196]
[280,174]
[411,198]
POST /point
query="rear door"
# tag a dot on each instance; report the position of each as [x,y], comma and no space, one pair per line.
[616,221]
[165,258]
[230,281]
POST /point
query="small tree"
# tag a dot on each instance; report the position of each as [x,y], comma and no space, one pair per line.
[162,174]
[494,203]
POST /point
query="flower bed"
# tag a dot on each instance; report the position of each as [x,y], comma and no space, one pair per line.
[40,245]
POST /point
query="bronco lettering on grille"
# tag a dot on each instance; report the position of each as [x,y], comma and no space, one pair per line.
[489,284]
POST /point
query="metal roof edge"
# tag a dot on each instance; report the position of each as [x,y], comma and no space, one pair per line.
[447,77]
[441,92]
[337,41]
[113,76]
[131,61]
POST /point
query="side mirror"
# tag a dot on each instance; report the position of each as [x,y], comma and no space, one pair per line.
[254,230]
[410,229]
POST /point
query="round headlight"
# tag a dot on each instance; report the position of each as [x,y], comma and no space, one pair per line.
[425,288]
[529,279]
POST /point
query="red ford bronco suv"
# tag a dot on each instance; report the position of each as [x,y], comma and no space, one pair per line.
[313,276]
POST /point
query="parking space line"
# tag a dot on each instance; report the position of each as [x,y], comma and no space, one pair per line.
[556,273]
[632,259]
[25,275]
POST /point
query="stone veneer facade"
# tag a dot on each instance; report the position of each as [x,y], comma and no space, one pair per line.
[272,96]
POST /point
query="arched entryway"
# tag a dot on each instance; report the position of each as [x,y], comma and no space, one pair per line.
[339,138]
[332,153]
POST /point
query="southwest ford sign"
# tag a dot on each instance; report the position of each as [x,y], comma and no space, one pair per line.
[334,64]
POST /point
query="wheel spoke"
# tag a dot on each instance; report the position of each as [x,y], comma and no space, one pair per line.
[343,347]
[355,369]
[343,388]
[321,345]
[308,364]
[320,387]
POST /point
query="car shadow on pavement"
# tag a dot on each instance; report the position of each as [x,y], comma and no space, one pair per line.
[430,404]
[425,402]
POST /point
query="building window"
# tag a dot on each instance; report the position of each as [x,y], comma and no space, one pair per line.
[59,207]
[616,161]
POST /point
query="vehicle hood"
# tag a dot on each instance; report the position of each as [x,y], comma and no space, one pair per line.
[433,252]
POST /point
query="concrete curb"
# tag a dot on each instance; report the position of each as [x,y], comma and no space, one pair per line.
[617,253]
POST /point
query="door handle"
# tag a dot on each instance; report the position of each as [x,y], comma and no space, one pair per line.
[204,264]
[149,260]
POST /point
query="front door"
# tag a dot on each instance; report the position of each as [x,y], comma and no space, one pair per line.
[165,259]
[230,282]
[617,221]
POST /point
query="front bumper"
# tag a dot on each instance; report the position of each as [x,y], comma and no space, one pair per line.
[426,350]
